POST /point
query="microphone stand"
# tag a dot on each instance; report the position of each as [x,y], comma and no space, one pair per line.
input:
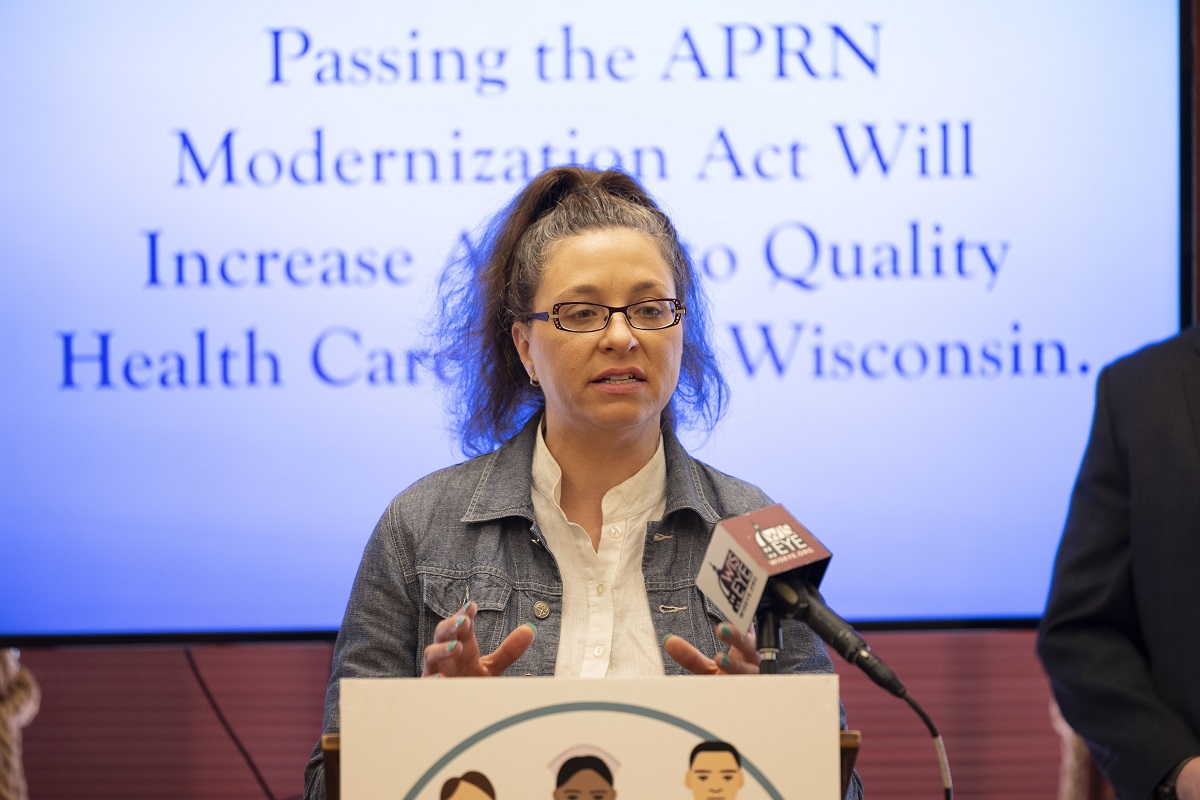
[768,626]
[801,601]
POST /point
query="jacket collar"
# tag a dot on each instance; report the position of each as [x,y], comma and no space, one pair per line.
[506,484]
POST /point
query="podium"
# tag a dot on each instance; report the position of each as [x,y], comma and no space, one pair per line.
[403,738]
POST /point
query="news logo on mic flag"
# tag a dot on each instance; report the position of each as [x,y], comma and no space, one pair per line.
[745,551]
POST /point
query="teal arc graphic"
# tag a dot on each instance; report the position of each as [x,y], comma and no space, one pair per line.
[570,708]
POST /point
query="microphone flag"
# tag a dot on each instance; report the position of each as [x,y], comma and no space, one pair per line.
[748,550]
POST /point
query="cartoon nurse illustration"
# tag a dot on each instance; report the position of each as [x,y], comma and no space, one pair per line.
[584,772]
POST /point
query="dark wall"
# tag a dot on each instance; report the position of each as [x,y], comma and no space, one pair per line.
[1195,137]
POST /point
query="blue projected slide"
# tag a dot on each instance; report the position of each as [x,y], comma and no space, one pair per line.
[924,228]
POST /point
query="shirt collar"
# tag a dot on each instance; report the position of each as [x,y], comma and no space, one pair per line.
[505,487]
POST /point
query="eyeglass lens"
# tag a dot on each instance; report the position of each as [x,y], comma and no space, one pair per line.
[649,315]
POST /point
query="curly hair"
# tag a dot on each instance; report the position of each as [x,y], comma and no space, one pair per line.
[486,288]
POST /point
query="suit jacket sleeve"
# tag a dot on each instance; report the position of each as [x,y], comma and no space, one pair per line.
[1090,640]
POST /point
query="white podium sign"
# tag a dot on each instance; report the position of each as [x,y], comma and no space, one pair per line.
[408,739]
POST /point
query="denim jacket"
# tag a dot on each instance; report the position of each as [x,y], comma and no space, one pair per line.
[468,533]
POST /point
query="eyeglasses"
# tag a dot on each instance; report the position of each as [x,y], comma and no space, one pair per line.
[646,315]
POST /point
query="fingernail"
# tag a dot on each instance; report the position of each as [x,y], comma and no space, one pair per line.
[532,627]
[726,631]
[466,605]
[667,638]
[458,623]
[725,661]
[452,646]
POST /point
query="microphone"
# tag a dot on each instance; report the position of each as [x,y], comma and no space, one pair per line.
[804,602]
[765,566]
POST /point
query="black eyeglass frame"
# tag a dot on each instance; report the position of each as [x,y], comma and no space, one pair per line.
[552,314]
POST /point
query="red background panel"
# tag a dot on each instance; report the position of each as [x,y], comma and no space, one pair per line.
[131,722]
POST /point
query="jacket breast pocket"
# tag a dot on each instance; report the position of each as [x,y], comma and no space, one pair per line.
[444,594]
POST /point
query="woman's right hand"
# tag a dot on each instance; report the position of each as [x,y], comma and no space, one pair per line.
[455,652]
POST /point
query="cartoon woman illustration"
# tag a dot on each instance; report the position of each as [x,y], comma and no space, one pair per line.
[468,786]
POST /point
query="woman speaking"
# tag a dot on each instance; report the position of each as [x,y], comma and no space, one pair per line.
[576,343]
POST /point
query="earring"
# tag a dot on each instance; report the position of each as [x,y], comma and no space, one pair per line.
[533,381]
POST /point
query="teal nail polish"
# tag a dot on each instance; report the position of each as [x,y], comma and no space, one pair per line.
[466,605]
[452,646]
[726,631]
[458,623]
[666,638]
[725,661]
[532,627]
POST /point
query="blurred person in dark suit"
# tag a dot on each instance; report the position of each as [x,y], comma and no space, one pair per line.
[1120,638]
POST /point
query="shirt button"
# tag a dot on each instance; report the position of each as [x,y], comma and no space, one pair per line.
[541,609]
[599,651]
[600,589]
[614,532]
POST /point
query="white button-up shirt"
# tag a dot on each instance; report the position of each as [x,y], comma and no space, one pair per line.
[606,626]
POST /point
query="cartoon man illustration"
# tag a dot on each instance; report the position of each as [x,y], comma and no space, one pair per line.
[715,771]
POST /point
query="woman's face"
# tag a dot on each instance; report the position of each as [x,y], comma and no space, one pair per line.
[585,785]
[586,376]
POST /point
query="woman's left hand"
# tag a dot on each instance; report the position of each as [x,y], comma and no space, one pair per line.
[455,651]
[741,659]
